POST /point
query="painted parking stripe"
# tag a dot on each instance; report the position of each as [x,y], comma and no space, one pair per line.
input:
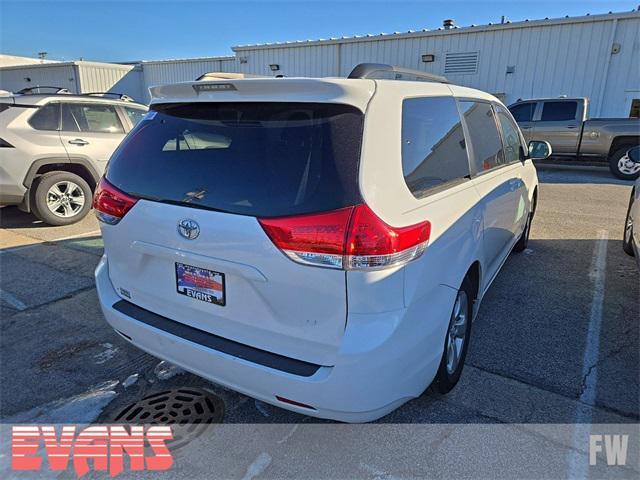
[578,466]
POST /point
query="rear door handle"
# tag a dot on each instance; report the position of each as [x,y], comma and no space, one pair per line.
[78,141]
[572,126]
[525,128]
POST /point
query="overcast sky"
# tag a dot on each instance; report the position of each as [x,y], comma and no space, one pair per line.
[151,30]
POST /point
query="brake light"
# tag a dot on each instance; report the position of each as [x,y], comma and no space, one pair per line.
[351,238]
[110,203]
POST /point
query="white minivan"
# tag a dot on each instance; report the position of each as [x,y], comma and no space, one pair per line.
[319,244]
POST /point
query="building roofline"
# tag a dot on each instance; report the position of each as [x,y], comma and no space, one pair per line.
[69,64]
[441,31]
[221,58]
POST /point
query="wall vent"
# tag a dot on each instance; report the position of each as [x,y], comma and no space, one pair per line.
[461,63]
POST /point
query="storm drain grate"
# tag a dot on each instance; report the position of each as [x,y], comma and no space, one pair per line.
[190,411]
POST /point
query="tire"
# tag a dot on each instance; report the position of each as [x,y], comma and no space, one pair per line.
[449,372]
[72,192]
[627,235]
[620,168]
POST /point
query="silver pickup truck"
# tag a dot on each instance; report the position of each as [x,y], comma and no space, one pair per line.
[564,123]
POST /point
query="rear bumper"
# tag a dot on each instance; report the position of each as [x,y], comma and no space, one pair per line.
[371,376]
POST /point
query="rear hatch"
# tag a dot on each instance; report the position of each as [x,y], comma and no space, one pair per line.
[202,176]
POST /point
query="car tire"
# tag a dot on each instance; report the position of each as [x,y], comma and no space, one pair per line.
[627,236]
[61,198]
[449,370]
[619,167]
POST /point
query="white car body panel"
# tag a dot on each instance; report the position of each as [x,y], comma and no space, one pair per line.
[260,310]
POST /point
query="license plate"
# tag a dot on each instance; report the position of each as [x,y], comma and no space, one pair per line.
[200,283]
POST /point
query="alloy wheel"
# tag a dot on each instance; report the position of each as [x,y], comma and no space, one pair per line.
[65,199]
[457,333]
[628,167]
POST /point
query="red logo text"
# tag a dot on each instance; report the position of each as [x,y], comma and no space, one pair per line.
[106,446]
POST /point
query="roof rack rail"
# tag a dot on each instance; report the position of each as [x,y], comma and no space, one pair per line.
[31,90]
[120,96]
[367,70]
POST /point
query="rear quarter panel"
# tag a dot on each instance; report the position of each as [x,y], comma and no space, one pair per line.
[599,134]
[454,213]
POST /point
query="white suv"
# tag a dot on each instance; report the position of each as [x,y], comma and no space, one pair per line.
[319,244]
[54,147]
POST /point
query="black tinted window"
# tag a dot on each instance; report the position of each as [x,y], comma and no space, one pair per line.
[433,146]
[483,134]
[46,118]
[259,159]
[558,111]
[512,145]
[523,112]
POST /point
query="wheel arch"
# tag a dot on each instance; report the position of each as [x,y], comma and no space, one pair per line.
[79,166]
[621,141]
[474,274]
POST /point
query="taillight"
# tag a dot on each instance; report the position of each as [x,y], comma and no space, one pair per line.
[110,203]
[351,238]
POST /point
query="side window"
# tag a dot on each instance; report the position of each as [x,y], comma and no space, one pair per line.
[558,111]
[483,134]
[46,117]
[433,146]
[91,118]
[523,112]
[135,114]
[510,137]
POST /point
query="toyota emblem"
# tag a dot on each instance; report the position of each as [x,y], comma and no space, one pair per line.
[189,229]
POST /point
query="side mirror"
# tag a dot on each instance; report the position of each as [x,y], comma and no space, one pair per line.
[539,150]
[634,154]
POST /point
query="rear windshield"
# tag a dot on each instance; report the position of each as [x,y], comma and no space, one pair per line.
[259,159]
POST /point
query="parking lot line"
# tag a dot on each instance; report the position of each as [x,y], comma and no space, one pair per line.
[578,463]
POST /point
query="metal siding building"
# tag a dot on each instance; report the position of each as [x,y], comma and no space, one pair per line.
[595,56]
[77,77]
[569,56]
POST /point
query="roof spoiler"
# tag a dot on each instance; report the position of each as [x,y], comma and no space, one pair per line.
[368,70]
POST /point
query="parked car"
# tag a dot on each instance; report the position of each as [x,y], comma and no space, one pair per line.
[631,238]
[54,147]
[271,236]
[565,124]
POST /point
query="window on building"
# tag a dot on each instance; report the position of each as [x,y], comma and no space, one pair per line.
[523,112]
[433,146]
[635,108]
[483,135]
[90,118]
[46,117]
[558,111]
[512,144]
